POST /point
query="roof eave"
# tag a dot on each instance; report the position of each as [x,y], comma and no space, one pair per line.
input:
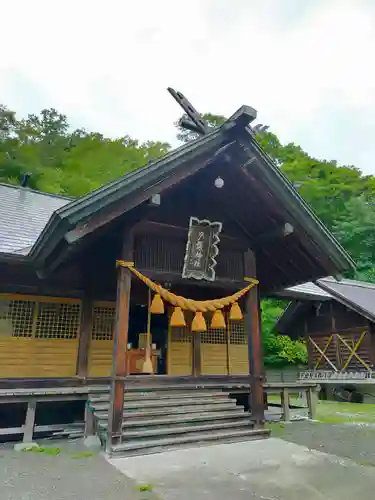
[296,205]
[112,192]
[13,257]
[348,303]
[72,213]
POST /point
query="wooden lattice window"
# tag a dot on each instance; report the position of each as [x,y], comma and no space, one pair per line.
[16,317]
[182,335]
[57,320]
[40,317]
[213,335]
[237,335]
[104,316]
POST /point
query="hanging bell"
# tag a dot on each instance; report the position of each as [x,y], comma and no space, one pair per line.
[218,320]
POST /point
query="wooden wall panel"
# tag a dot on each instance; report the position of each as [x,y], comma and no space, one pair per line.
[100,358]
[179,352]
[101,344]
[38,336]
[238,349]
[214,350]
[29,358]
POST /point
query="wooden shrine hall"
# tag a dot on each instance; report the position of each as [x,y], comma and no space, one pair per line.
[152,283]
[337,320]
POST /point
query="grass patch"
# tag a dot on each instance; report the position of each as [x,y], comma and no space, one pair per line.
[277,428]
[334,412]
[145,488]
[42,449]
[84,454]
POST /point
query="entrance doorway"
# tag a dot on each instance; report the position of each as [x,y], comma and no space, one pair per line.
[159,336]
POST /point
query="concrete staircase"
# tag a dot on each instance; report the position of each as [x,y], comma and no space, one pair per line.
[162,419]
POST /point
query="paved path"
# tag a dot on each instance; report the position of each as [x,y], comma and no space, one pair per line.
[271,469]
[36,476]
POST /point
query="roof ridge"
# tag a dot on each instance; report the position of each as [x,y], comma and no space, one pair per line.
[36,191]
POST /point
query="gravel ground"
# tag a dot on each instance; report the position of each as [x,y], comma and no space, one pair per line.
[343,440]
[67,476]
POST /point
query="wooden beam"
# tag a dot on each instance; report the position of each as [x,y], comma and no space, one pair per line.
[85,332]
[285,404]
[321,260]
[177,279]
[121,334]
[255,351]
[312,399]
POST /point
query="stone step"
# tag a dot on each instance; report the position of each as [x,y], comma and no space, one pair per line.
[144,434]
[152,395]
[174,421]
[162,403]
[136,447]
[174,410]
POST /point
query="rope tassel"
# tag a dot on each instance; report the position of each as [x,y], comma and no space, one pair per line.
[197,306]
[157,305]
[218,320]
[177,318]
[199,323]
[235,312]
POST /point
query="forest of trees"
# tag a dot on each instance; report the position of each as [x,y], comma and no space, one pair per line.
[73,162]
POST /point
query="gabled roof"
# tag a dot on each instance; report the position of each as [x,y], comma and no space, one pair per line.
[359,296]
[138,186]
[308,291]
[23,215]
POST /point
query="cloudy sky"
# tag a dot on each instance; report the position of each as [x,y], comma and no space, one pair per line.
[307,66]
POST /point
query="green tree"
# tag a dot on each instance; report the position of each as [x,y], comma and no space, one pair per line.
[279,350]
[355,228]
[63,161]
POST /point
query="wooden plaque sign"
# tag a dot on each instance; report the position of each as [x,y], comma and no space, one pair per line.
[201,249]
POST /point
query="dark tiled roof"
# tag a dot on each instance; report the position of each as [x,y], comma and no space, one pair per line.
[357,295]
[23,215]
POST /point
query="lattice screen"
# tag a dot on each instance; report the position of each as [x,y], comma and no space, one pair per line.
[237,333]
[213,335]
[181,335]
[57,321]
[16,317]
[39,318]
[103,322]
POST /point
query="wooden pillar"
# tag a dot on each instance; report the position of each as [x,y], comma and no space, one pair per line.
[28,431]
[85,333]
[284,396]
[255,351]
[371,333]
[119,359]
[312,399]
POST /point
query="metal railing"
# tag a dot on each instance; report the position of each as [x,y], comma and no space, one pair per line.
[332,375]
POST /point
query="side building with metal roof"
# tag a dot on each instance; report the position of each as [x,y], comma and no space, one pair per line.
[337,320]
